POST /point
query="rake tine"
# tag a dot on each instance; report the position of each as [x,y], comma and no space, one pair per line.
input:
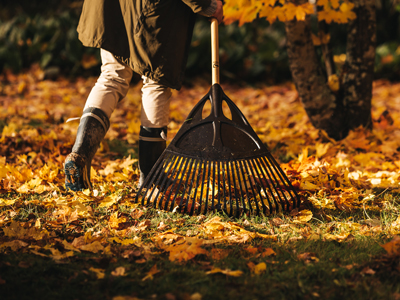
[202,184]
[252,167]
[218,184]
[235,189]
[286,182]
[207,188]
[195,175]
[240,187]
[186,186]
[170,164]
[279,201]
[280,173]
[213,186]
[245,166]
[143,186]
[169,168]
[185,161]
[166,168]
[223,185]
[175,169]
[266,187]
[148,183]
[283,201]
[245,185]
[229,188]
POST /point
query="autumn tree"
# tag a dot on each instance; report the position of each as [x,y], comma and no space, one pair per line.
[336,100]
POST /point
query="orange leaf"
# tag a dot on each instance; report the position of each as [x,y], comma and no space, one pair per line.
[186,250]
[393,247]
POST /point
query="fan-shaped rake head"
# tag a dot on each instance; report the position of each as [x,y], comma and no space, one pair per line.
[217,163]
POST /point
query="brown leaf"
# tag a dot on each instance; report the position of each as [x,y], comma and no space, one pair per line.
[94,247]
[268,252]
[368,271]
[308,257]
[277,221]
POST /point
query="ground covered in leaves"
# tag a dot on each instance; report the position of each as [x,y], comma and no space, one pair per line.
[343,241]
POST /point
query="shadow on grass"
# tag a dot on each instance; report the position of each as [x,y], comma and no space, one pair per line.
[357,269]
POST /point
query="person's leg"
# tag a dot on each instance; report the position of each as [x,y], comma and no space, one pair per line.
[110,88]
[154,120]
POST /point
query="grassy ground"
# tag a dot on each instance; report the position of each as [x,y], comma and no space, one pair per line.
[312,260]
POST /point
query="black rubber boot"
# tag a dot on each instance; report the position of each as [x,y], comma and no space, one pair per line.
[92,128]
[152,143]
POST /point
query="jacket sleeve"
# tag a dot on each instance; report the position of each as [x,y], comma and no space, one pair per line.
[203,7]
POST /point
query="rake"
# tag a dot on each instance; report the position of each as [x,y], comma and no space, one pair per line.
[217,162]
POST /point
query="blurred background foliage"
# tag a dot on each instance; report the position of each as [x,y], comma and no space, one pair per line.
[44,33]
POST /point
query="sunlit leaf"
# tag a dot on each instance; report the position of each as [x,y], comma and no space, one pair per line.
[227,272]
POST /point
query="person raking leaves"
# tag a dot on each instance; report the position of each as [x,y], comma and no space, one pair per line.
[151,38]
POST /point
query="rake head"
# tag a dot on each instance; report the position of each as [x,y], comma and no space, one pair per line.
[217,163]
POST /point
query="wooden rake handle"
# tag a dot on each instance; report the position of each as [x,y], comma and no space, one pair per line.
[214,51]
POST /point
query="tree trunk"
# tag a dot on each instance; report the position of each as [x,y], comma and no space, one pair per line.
[360,59]
[350,107]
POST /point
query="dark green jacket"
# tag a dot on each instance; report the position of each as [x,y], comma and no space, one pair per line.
[151,36]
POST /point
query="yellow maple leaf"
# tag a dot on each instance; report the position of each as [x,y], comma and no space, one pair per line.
[324,3]
[152,272]
[114,221]
[334,3]
[187,249]
[257,269]
[326,15]
[100,273]
[110,200]
[227,272]
[303,216]
[4,202]
[346,7]
[333,83]
[298,11]
[289,11]
[248,15]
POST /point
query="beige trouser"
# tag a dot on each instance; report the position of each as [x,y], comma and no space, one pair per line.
[113,84]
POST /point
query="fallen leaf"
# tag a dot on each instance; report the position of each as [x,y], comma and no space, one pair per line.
[100,273]
[303,216]
[268,252]
[260,268]
[94,247]
[186,249]
[393,247]
[227,272]
[119,271]
[152,272]
[14,245]
[308,257]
